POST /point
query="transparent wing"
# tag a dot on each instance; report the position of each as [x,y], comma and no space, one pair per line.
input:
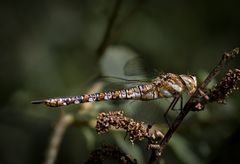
[121,64]
[140,67]
[123,80]
[121,61]
[134,67]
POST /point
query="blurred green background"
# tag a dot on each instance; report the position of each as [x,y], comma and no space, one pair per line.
[48,49]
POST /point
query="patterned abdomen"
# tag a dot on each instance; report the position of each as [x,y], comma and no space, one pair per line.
[141,92]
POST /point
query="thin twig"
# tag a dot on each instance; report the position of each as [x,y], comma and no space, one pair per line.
[191,104]
[59,130]
[108,34]
[126,19]
[226,58]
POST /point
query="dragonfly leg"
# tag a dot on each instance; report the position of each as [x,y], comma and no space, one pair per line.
[181,103]
[125,136]
[171,106]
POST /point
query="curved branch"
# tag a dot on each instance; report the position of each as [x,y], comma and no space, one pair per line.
[56,138]
[108,33]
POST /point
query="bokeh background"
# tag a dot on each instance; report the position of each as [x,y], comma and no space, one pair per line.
[49,49]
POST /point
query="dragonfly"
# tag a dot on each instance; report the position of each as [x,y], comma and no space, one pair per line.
[168,85]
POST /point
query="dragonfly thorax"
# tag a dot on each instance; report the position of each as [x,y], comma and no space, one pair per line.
[190,83]
[172,85]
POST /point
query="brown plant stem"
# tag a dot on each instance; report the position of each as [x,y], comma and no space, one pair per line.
[108,34]
[56,138]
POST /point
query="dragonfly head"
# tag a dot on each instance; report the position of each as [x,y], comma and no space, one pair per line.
[190,83]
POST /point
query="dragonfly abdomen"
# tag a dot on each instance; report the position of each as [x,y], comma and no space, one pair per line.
[138,92]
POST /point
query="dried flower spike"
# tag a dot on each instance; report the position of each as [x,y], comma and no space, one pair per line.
[109,152]
[226,86]
[136,130]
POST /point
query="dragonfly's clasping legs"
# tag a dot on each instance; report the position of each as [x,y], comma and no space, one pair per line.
[171,106]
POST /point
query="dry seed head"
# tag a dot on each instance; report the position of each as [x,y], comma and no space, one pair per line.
[226,86]
[136,130]
[109,152]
